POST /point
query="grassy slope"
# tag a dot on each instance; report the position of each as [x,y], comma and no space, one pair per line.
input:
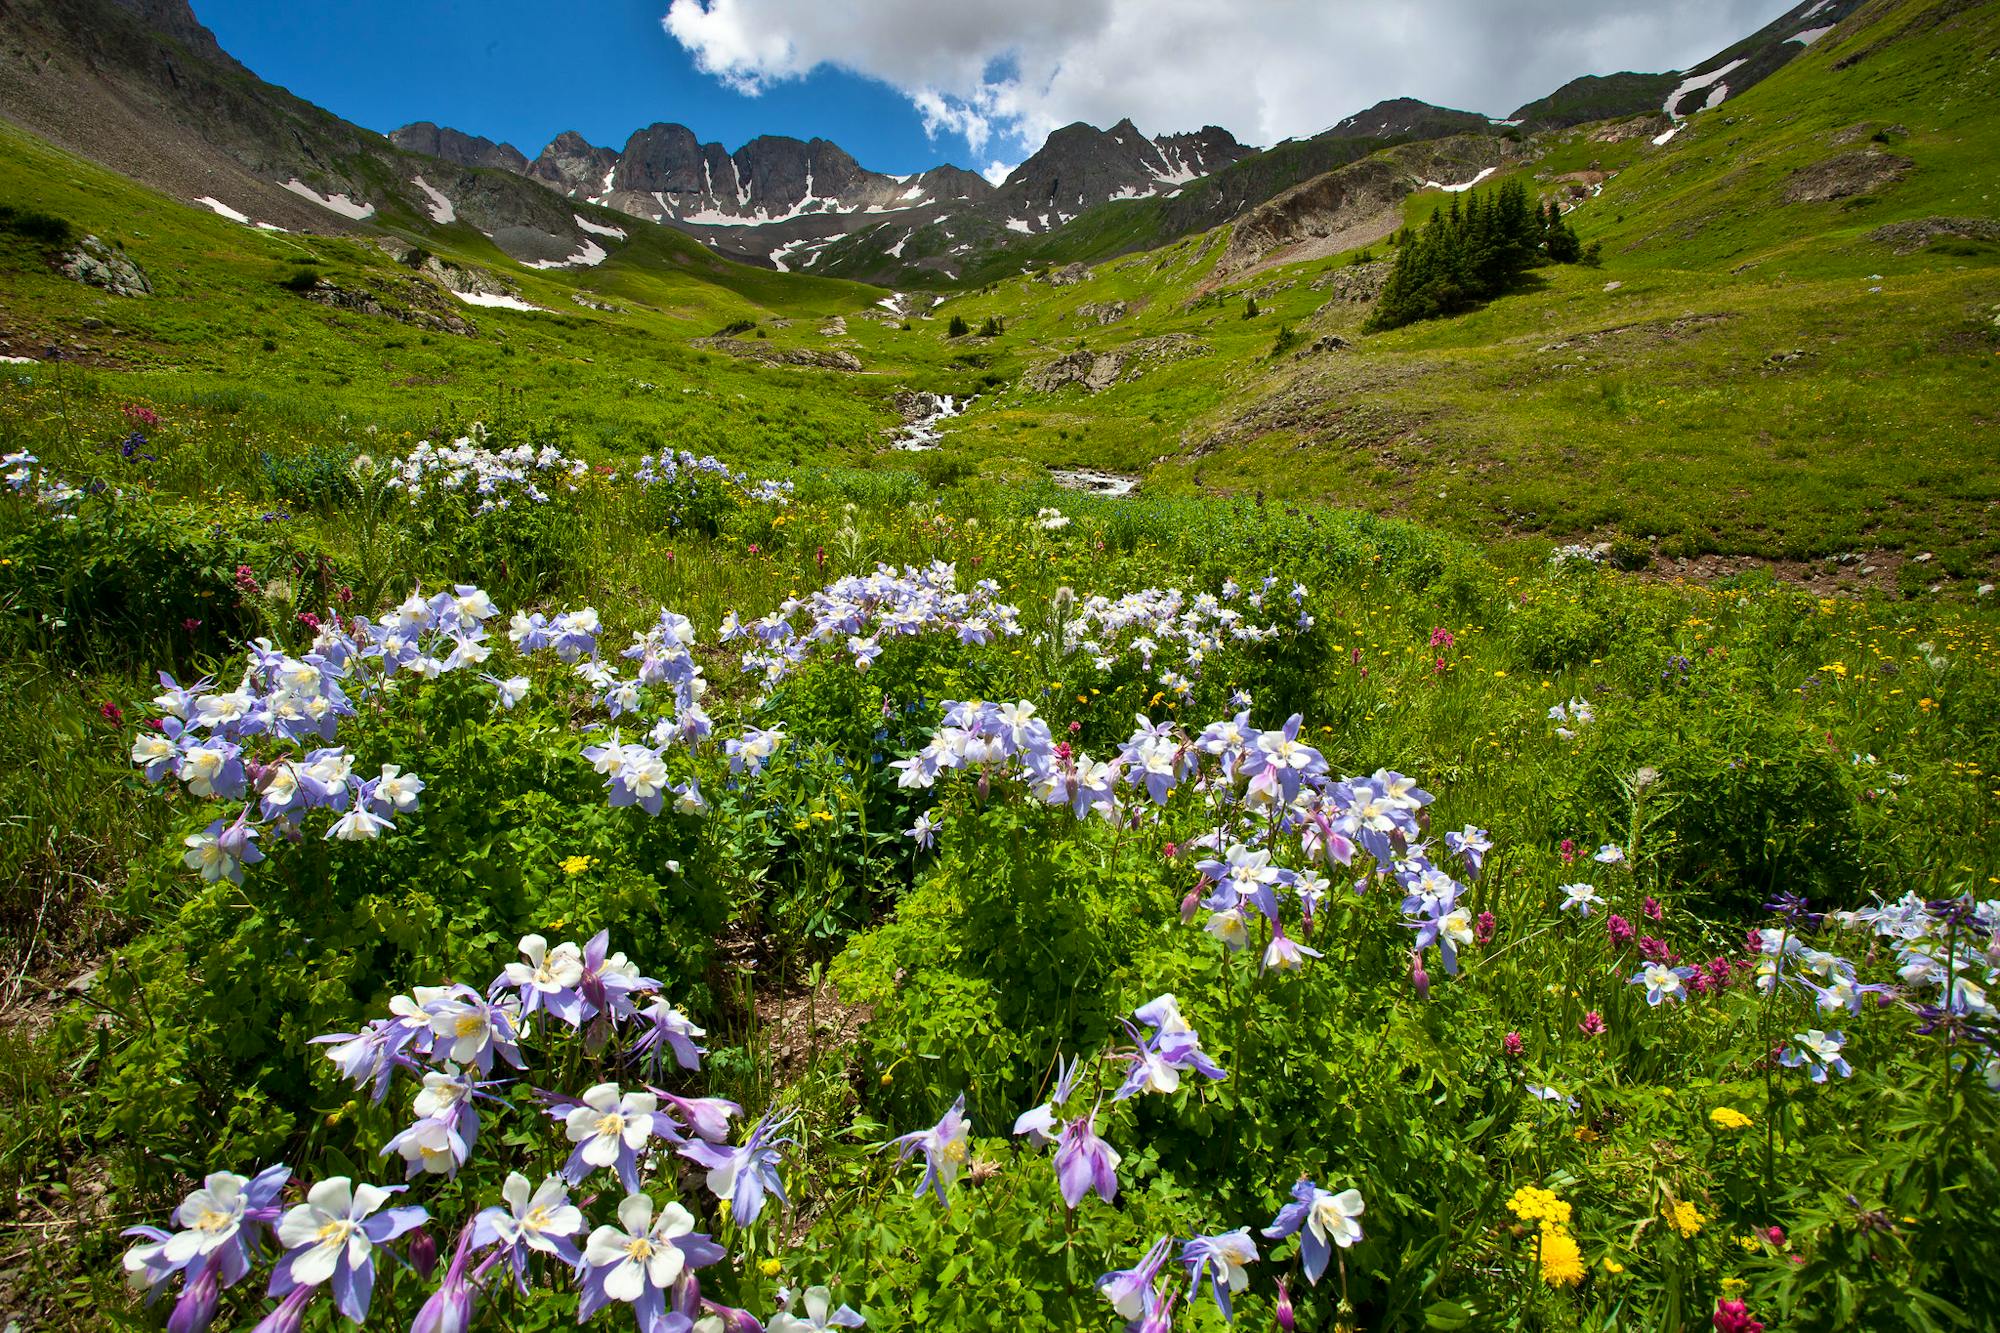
[221,328]
[1656,408]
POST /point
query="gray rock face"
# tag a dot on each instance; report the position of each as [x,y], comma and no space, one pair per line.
[105,266]
[1408,118]
[571,166]
[467,150]
[1081,166]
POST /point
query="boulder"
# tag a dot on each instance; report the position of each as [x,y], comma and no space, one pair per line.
[101,265]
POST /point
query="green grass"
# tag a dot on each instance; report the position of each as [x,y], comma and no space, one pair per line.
[1741,391]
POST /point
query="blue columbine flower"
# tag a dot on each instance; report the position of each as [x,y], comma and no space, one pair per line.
[1819,1053]
[1221,1259]
[1322,1219]
[1130,1290]
[1085,1162]
[540,1220]
[744,1175]
[331,1238]
[945,1146]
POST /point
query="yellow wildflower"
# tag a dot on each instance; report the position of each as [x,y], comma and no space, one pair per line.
[576,865]
[1728,1117]
[1612,1265]
[1684,1218]
[771,1267]
[1562,1262]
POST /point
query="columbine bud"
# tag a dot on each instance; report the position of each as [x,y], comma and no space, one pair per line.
[424,1254]
[290,1312]
[1189,904]
[1420,978]
[1286,1319]
[195,1310]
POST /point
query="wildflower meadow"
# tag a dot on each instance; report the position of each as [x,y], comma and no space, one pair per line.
[516,884]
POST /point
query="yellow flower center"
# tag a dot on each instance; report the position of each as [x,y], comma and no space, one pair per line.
[611,1124]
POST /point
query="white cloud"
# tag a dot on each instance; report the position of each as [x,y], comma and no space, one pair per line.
[996,172]
[1004,76]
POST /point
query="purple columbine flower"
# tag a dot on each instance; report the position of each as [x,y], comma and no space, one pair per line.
[219,1223]
[945,1146]
[1222,1259]
[1818,1052]
[547,980]
[743,1176]
[820,1315]
[1130,1290]
[1039,1124]
[707,1117]
[668,1029]
[1662,982]
[1470,845]
[610,1129]
[542,1221]
[1085,1162]
[1284,954]
[449,1309]
[331,1238]
[1322,1220]
[475,1029]
[639,1260]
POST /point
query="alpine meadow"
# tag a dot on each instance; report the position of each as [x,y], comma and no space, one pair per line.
[1390,729]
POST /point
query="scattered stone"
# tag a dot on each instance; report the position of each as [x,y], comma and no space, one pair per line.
[1925,558]
[1866,570]
[834,328]
[82,982]
[1985,590]
[101,265]
[1613,286]
[1331,342]
[1845,176]
[415,303]
[1849,558]
[1354,282]
[1102,312]
[1906,238]
[1069,275]
[589,303]
[762,350]
[1097,371]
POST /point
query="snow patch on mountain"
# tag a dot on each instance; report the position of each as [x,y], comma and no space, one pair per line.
[355,210]
[440,207]
[498,301]
[221,209]
[1463,186]
[598,228]
[1696,84]
[590,256]
[1810,35]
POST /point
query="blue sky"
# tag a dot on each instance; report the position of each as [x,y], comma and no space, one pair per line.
[988,81]
[523,71]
